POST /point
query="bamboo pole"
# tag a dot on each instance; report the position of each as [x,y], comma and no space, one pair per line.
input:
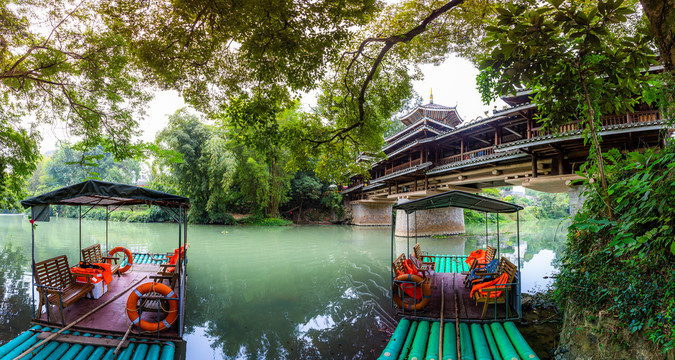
[440,337]
[459,352]
[77,321]
[117,349]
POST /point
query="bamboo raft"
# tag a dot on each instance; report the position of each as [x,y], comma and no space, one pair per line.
[84,345]
[438,340]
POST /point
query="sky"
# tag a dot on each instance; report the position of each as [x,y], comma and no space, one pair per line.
[453,83]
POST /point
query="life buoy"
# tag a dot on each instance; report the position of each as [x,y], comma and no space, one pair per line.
[419,282]
[127,252]
[152,287]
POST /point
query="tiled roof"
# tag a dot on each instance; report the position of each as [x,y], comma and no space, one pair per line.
[419,130]
[347,191]
[477,160]
[402,172]
[574,134]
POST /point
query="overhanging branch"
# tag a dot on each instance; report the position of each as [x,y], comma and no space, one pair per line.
[389,43]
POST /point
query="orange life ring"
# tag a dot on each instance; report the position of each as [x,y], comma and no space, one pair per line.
[127,252]
[152,287]
[426,292]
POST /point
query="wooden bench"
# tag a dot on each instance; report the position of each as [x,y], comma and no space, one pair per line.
[92,254]
[423,259]
[57,286]
[505,267]
[398,266]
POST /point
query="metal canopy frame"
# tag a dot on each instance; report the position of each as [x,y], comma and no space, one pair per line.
[460,199]
[104,194]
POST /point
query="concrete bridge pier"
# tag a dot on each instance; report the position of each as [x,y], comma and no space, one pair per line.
[370,213]
[445,221]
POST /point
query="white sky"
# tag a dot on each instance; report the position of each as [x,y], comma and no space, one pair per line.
[453,83]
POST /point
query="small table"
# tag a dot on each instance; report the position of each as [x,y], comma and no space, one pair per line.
[100,278]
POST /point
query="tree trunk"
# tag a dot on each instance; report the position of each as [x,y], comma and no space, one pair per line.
[300,211]
[661,15]
[598,150]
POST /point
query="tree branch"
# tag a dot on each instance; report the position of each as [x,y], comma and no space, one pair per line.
[389,42]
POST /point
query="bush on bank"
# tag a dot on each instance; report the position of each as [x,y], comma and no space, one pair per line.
[626,268]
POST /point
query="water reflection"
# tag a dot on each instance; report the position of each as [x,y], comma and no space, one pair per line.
[310,292]
[15,308]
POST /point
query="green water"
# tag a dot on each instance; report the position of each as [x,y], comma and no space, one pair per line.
[309,292]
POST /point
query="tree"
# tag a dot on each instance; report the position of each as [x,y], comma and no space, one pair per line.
[264,147]
[578,60]
[211,51]
[59,62]
[207,168]
[305,187]
[64,168]
[661,15]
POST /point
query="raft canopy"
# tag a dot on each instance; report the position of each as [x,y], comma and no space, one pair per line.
[101,193]
[461,199]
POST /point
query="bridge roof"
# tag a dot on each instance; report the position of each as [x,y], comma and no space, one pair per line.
[461,199]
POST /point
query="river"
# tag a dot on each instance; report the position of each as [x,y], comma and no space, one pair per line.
[310,292]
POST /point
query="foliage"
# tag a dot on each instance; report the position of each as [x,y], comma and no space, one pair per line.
[207,170]
[214,50]
[18,158]
[260,220]
[64,168]
[661,91]
[60,63]
[639,246]
[537,205]
[582,61]
[306,188]
[333,200]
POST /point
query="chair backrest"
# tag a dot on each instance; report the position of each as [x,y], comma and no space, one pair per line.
[506,266]
[54,272]
[490,253]
[398,266]
[92,254]
[417,251]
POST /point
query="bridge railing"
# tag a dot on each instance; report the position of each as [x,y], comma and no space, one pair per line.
[467,155]
[403,166]
[611,120]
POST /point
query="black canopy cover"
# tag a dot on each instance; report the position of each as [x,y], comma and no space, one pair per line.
[101,193]
[459,199]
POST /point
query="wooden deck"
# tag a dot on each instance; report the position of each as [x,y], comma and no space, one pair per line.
[453,283]
[112,318]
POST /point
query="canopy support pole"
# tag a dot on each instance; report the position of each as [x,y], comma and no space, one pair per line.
[32,278]
[80,232]
[520,300]
[391,261]
[185,236]
[498,247]
[106,227]
[179,264]
[416,241]
[486,230]
[407,231]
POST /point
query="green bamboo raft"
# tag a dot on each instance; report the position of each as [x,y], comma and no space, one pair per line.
[62,350]
[419,340]
[449,263]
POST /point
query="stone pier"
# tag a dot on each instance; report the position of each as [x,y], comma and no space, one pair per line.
[445,221]
[370,213]
[429,222]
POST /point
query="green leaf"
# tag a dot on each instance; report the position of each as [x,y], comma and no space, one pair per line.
[555,3]
[504,12]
